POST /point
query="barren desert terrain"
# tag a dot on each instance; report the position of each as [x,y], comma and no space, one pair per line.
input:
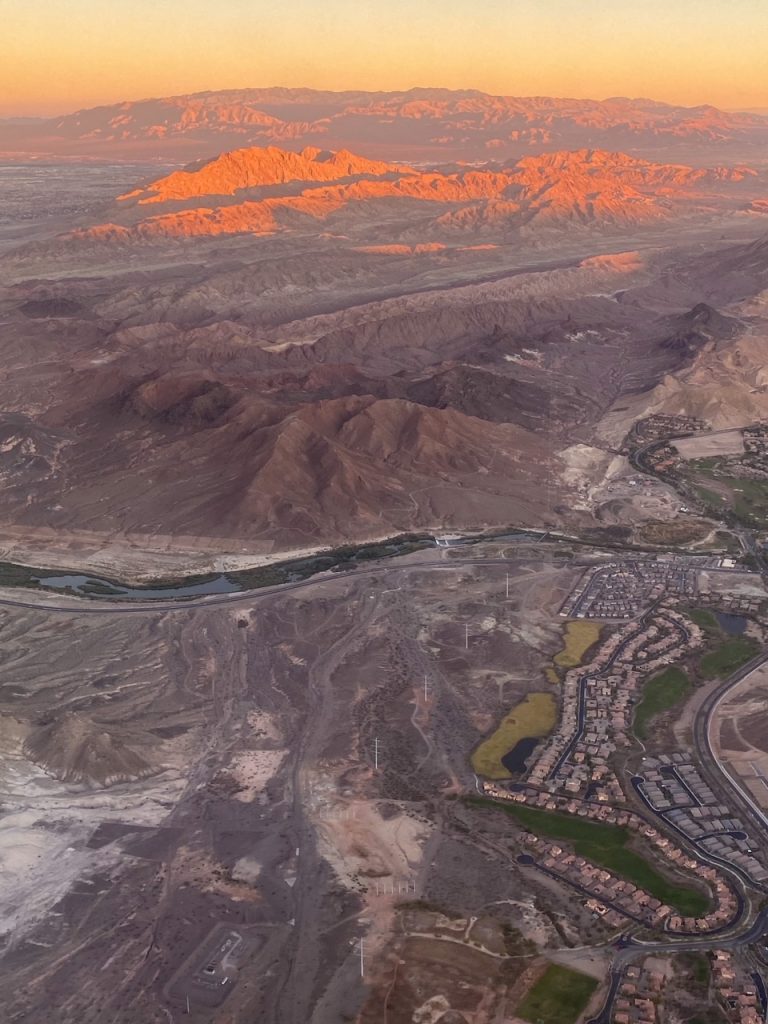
[327,420]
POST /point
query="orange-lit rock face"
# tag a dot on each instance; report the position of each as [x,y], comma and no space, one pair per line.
[254,167]
[264,191]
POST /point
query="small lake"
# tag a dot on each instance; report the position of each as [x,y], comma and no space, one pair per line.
[291,570]
[92,586]
[733,624]
[515,760]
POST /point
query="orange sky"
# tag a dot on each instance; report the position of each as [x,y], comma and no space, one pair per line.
[59,55]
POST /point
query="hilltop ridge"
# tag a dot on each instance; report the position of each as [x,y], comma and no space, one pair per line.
[413,124]
[248,168]
[269,190]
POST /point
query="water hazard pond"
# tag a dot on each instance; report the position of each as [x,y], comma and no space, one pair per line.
[515,760]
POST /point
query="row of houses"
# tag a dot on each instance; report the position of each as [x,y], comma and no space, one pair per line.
[735,990]
[621,590]
[639,997]
[725,902]
[611,898]
[676,791]
[598,703]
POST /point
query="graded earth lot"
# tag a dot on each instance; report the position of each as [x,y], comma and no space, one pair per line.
[739,734]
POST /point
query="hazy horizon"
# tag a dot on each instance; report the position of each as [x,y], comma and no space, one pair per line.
[84,56]
[384,579]
[144,98]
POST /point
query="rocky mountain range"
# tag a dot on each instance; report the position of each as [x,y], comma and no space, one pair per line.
[276,349]
[413,125]
[374,205]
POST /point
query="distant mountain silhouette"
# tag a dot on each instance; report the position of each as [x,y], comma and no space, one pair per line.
[417,124]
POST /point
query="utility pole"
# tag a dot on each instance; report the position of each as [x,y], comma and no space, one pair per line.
[376,753]
[425,688]
[507,586]
[466,637]
[187,1005]
[362,960]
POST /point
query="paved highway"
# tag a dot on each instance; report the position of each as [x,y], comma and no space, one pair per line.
[702,739]
[84,606]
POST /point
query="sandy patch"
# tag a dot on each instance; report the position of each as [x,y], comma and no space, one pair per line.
[743,584]
[198,869]
[358,842]
[705,447]
[264,726]
[246,870]
[585,467]
[46,827]
[361,845]
[431,1011]
[252,770]
[375,857]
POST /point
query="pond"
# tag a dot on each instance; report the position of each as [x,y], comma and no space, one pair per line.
[92,586]
[733,624]
[515,760]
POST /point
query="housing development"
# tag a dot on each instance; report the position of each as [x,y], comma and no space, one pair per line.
[678,802]
[384,522]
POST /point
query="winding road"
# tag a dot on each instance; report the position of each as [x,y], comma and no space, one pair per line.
[743,933]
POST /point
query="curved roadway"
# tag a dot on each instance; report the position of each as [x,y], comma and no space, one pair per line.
[632,948]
